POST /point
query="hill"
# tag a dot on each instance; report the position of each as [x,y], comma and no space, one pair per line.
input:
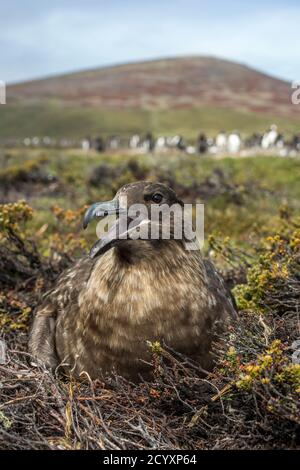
[168,95]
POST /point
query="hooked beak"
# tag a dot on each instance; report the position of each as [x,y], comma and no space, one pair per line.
[122,229]
[115,232]
[101,209]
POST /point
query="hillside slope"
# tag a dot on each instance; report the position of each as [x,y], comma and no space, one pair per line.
[182,82]
[195,92]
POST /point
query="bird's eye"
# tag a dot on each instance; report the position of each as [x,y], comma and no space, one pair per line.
[157,198]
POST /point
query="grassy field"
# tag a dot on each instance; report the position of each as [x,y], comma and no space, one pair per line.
[242,196]
[58,121]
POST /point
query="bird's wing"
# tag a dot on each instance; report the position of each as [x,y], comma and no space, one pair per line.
[219,289]
[66,290]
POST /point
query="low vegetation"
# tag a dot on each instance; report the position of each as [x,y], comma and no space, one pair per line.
[252,397]
[79,121]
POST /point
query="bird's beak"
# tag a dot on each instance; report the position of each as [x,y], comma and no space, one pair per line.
[116,232]
[101,209]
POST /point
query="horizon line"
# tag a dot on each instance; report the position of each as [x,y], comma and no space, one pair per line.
[142,61]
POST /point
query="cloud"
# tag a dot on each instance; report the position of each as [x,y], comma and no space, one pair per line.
[63,36]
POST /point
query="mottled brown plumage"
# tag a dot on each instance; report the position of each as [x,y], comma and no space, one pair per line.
[103,311]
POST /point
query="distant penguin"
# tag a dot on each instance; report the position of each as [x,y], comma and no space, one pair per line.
[234,143]
[221,141]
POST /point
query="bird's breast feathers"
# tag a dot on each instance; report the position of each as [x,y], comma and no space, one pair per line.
[148,292]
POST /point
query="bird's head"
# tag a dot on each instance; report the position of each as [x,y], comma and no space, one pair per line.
[142,212]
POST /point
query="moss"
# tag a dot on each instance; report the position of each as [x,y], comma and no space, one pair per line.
[13,217]
[6,422]
[277,267]
[21,171]
[15,314]
[155,347]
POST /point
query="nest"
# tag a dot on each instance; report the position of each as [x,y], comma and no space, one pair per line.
[178,409]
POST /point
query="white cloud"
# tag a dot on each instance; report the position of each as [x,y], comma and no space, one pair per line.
[65,38]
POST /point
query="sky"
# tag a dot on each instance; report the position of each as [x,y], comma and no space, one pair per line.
[43,38]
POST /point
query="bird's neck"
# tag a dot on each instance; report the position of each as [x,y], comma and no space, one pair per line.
[150,256]
[137,252]
[155,270]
